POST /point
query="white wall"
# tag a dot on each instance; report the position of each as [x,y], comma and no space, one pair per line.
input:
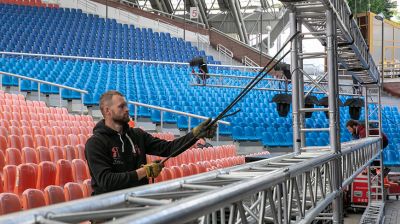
[128,18]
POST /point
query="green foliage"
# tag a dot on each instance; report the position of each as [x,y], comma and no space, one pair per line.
[388,7]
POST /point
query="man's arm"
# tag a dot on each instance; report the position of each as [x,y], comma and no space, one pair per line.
[100,164]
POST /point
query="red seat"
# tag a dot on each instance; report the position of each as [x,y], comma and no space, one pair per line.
[3,143]
[36,130]
[26,178]
[87,188]
[66,130]
[72,191]
[13,156]
[57,130]
[79,171]
[29,155]
[15,123]
[80,152]
[73,139]
[186,170]
[62,140]
[54,194]
[16,116]
[194,168]
[14,130]
[51,140]
[82,139]
[33,198]
[14,141]
[56,153]
[9,176]
[69,152]
[64,172]
[47,130]
[27,141]
[26,130]
[5,123]
[25,116]
[43,153]
[40,141]
[4,131]
[46,174]
[9,203]
[2,164]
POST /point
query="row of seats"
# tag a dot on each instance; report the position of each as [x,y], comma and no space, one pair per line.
[18,178]
[12,128]
[194,155]
[183,170]
[14,156]
[52,194]
[36,3]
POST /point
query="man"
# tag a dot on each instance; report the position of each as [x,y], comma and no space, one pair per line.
[116,153]
[358,131]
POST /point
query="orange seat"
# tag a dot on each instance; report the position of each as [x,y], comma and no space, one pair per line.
[47,130]
[73,139]
[79,170]
[46,174]
[2,164]
[56,153]
[87,188]
[9,176]
[5,123]
[13,156]
[25,116]
[72,191]
[15,123]
[177,171]
[80,152]
[69,153]
[29,155]
[57,130]
[26,178]
[27,141]
[43,153]
[14,141]
[16,116]
[4,131]
[36,130]
[3,143]
[54,194]
[82,139]
[62,140]
[9,203]
[51,140]
[66,130]
[33,198]
[40,141]
[194,168]
[64,172]
[26,130]
[14,130]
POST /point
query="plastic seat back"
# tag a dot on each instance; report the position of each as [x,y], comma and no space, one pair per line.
[46,174]
[33,198]
[64,172]
[79,170]
[13,156]
[3,143]
[29,155]
[80,152]
[54,194]
[87,188]
[72,191]
[56,153]
[69,153]
[9,176]
[26,178]
[43,154]
[40,140]
[14,141]
[9,203]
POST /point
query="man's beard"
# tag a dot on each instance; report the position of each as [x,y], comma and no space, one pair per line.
[121,120]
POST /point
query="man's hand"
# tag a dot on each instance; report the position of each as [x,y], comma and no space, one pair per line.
[201,132]
[153,169]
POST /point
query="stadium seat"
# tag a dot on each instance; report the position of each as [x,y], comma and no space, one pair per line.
[2,163]
[13,130]
[46,175]
[56,153]
[9,176]
[26,178]
[82,139]
[51,140]
[13,156]
[72,191]
[62,140]
[29,155]
[80,152]
[14,141]
[40,140]
[3,143]
[87,188]
[33,198]
[79,170]
[69,153]
[64,172]
[9,203]
[54,194]
[43,154]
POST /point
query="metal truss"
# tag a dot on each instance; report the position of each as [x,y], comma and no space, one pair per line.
[287,189]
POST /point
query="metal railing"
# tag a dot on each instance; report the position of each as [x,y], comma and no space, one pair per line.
[224,51]
[86,5]
[282,189]
[39,82]
[130,18]
[168,26]
[163,110]
[248,62]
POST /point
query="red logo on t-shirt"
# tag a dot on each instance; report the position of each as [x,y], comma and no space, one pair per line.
[115,152]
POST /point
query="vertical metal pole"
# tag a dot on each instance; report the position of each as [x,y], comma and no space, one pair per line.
[333,112]
[380,86]
[135,113]
[366,112]
[261,20]
[301,89]
[295,84]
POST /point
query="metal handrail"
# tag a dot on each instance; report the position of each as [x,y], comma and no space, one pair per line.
[163,109]
[225,51]
[43,82]
[169,26]
[87,5]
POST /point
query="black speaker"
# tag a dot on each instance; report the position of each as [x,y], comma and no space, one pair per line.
[355,105]
[283,102]
[324,102]
[309,102]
